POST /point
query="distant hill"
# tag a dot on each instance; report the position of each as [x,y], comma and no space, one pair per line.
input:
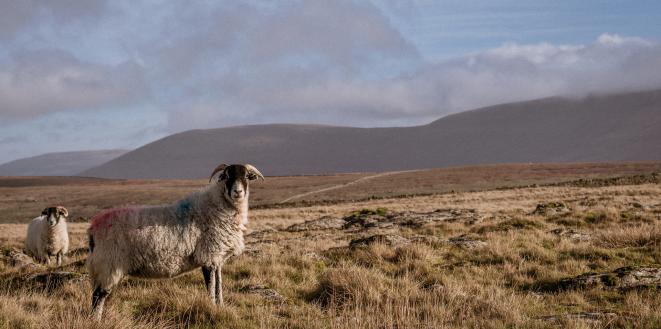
[58,164]
[617,127]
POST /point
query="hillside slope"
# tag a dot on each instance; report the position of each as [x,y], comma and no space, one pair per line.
[619,127]
[59,163]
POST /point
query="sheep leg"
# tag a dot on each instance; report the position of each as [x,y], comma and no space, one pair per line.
[210,281]
[219,287]
[98,300]
[59,258]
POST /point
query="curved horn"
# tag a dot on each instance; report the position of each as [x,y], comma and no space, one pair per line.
[254,171]
[65,212]
[220,167]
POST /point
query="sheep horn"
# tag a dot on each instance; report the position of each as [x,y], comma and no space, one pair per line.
[254,171]
[220,167]
[64,211]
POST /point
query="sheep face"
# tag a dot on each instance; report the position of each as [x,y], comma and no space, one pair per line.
[54,214]
[236,180]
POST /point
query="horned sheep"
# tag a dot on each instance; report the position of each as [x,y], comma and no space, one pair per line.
[47,235]
[202,230]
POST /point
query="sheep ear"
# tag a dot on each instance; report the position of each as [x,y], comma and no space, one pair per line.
[45,212]
[253,173]
[220,168]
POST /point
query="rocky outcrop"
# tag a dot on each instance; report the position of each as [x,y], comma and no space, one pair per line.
[16,258]
[570,234]
[551,208]
[592,317]
[467,242]
[409,218]
[264,291]
[387,239]
[323,223]
[624,278]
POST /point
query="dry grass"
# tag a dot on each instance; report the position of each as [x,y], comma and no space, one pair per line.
[512,281]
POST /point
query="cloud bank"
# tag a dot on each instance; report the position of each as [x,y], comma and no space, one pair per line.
[176,66]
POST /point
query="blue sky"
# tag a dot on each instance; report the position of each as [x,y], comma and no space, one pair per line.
[80,75]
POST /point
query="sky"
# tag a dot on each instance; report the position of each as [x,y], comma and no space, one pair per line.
[84,75]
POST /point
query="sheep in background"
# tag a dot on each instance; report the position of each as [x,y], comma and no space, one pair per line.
[202,230]
[48,236]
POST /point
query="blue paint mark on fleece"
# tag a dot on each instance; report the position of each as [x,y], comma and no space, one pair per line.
[183,209]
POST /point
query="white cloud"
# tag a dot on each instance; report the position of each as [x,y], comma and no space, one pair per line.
[512,72]
[215,64]
[50,80]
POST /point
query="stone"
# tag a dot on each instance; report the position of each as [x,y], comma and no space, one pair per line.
[56,279]
[623,278]
[410,218]
[17,258]
[465,241]
[551,208]
[571,234]
[387,239]
[584,316]
[323,223]
[264,291]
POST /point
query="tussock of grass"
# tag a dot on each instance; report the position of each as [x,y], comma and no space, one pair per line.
[637,236]
[514,280]
[341,286]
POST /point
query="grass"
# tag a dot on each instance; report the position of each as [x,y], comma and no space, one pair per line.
[514,281]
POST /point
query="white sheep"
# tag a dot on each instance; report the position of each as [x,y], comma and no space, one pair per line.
[202,230]
[47,235]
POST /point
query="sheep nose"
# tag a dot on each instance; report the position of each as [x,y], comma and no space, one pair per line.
[237,193]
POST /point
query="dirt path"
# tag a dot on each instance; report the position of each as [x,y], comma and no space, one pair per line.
[339,186]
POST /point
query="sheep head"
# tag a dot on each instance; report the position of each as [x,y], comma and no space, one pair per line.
[55,214]
[235,178]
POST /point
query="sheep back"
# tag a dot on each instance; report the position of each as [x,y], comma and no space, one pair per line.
[160,241]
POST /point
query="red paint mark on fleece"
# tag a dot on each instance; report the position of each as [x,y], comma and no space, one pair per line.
[106,217]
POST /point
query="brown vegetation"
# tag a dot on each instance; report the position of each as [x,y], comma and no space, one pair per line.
[481,259]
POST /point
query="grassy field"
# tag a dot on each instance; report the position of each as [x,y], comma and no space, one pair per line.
[361,254]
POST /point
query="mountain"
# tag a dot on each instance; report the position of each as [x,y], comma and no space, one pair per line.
[615,127]
[59,163]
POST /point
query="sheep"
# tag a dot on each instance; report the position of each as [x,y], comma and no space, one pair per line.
[202,230]
[47,235]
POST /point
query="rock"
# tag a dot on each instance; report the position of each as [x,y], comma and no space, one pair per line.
[417,219]
[369,220]
[465,241]
[551,208]
[436,287]
[323,223]
[428,239]
[387,239]
[264,291]
[17,258]
[624,278]
[314,256]
[638,276]
[585,316]
[52,280]
[570,234]
[410,218]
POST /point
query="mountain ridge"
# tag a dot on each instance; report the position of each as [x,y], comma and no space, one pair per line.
[613,127]
[58,163]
